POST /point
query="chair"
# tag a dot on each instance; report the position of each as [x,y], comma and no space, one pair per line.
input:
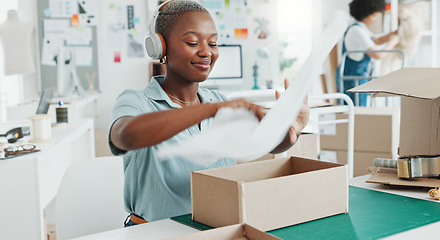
[90,198]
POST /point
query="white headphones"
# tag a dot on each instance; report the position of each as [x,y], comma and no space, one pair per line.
[154,42]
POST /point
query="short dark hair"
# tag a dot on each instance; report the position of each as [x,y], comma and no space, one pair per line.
[167,17]
[360,9]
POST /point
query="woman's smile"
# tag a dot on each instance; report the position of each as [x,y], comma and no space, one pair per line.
[202,65]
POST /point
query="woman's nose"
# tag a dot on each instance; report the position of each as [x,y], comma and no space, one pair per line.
[204,51]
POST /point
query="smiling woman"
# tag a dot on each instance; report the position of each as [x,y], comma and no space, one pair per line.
[172,108]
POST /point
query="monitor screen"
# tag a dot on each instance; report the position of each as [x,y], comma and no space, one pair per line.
[46,97]
[229,63]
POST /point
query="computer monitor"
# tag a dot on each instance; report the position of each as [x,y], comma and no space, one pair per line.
[229,64]
[228,70]
[46,97]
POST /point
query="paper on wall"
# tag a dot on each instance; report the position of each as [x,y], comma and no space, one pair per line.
[56,28]
[79,36]
[84,56]
[63,8]
[88,12]
[242,137]
[49,50]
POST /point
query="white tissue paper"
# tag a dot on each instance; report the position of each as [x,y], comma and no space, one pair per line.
[237,133]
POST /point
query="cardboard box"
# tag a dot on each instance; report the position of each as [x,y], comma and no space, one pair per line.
[390,179]
[375,130]
[307,146]
[269,194]
[51,232]
[236,231]
[419,89]
[361,160]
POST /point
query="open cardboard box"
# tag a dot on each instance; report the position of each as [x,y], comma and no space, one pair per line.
[419,89]
[233,232]
[269,194]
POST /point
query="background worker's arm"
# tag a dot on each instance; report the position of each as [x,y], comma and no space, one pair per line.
[149,129]
[391,40]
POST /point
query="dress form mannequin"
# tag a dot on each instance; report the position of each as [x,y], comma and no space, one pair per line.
[15,36]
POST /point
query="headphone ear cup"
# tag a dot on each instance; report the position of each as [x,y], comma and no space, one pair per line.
[155,46]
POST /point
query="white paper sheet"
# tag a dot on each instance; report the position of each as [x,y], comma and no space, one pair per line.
[84,56]
[63,8]
[50,49]
[56,28]
[240,135]
[79,36]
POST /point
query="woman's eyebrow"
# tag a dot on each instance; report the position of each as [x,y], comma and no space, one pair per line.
[198,34]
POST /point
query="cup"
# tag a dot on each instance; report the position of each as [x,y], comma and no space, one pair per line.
[40,128]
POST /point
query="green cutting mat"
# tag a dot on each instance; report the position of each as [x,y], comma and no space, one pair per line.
[372,215]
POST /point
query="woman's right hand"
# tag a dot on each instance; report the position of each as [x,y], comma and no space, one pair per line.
[256,109]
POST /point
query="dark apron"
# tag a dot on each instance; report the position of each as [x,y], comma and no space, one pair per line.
[353,68]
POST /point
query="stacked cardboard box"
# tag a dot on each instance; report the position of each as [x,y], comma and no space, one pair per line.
[307,146]
[376,135]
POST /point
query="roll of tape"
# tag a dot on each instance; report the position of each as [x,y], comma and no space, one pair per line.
[41,130]
[61,113]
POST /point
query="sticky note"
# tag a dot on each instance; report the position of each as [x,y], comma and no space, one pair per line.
[117,57]
[74,22]
[133,31]
[241,33]
[47,12]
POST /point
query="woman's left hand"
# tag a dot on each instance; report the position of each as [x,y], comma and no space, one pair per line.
[302,119]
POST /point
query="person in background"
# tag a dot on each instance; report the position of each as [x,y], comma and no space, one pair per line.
[359,38]
[411,17]
[170,109]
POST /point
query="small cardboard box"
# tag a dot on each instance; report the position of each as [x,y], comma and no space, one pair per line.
[419,89]
[361,160]
[376,129]
[269,194]
[236,231]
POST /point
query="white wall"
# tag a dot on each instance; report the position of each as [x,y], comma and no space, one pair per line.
[30,83]
[115,77]
[134,72]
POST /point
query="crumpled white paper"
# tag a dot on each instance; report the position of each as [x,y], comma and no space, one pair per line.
[237,133]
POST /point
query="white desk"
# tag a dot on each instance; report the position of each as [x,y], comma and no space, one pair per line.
[28,183]
[168,228]
[85,107]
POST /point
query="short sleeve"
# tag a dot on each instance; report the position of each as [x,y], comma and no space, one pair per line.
[358,39]
[128,103]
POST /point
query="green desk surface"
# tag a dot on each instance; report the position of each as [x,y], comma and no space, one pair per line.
[371,215]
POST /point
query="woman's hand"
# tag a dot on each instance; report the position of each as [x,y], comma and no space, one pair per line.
[302,119]
[256,109]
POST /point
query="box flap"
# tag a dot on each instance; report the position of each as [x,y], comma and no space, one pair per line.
[391,179]
[411,82]
[218,208]
[236,231]
[255,234]
[224,233]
